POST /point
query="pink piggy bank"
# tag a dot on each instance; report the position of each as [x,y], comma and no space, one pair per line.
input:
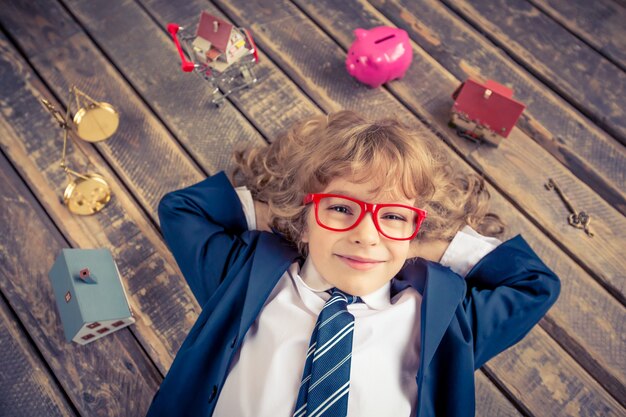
[379,55]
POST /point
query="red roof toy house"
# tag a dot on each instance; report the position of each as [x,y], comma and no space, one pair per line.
[218,43]
[485,112]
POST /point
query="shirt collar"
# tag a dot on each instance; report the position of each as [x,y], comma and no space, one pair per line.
[313,280]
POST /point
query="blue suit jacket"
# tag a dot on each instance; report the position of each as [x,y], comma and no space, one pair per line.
[232,270]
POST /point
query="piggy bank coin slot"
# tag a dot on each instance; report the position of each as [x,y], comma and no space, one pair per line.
[386,38]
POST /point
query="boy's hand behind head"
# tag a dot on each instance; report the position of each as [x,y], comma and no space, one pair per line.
[262,213]
[430,249]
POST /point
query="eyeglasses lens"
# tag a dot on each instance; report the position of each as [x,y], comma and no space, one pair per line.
[394,221]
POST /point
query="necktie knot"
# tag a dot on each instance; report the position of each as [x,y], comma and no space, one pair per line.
[349,299]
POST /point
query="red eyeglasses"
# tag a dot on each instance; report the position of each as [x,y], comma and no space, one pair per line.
[340,213]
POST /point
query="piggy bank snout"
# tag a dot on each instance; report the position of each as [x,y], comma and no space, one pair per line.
[355,61]
[351,68]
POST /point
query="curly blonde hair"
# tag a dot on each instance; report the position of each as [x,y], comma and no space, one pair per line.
[396,158]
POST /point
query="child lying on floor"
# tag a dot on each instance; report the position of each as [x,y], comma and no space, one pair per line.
[347,277]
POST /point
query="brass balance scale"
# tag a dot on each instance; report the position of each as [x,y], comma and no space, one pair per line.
[86,193]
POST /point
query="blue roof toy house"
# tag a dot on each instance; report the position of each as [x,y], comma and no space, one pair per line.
[89,294]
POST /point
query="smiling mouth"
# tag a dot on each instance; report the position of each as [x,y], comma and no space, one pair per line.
[361,264]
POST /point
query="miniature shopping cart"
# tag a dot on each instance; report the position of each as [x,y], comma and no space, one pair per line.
[220,53]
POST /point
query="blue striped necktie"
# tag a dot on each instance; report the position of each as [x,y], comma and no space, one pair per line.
[326,377]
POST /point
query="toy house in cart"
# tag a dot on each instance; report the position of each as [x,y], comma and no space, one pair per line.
[484,112]
[218,43]
[89,294]
[220,53]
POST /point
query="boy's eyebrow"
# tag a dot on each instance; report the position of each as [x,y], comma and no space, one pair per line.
[340,192]
[349,194]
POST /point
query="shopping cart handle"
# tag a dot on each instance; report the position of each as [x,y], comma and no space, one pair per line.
[255,52]
[186,66]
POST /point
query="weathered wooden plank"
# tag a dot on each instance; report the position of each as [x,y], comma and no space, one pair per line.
[270,105]
[181,100]
[64,61]
[600,23]
[596,341]
[109,377]
[27,388]
[280,27]
[203,130]
[142,257]
[549,392]
[587,151]
[491,402]
[596,86]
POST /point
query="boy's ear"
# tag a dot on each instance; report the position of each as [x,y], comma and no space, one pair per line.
[304,237]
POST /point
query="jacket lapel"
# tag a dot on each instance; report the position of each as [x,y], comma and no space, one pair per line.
[272,257]
[441,291]
[442,294]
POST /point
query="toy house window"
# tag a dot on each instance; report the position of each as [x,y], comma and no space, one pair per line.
[118,323]
[93,325]
[103,330]
[87,336]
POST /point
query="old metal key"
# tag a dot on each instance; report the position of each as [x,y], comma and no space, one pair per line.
[577,219]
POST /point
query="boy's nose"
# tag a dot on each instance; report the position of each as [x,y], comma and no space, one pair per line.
[366,232]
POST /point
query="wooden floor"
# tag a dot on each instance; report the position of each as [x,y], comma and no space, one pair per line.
[565,59]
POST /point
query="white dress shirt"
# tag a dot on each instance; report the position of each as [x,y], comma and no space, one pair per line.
[265,374]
